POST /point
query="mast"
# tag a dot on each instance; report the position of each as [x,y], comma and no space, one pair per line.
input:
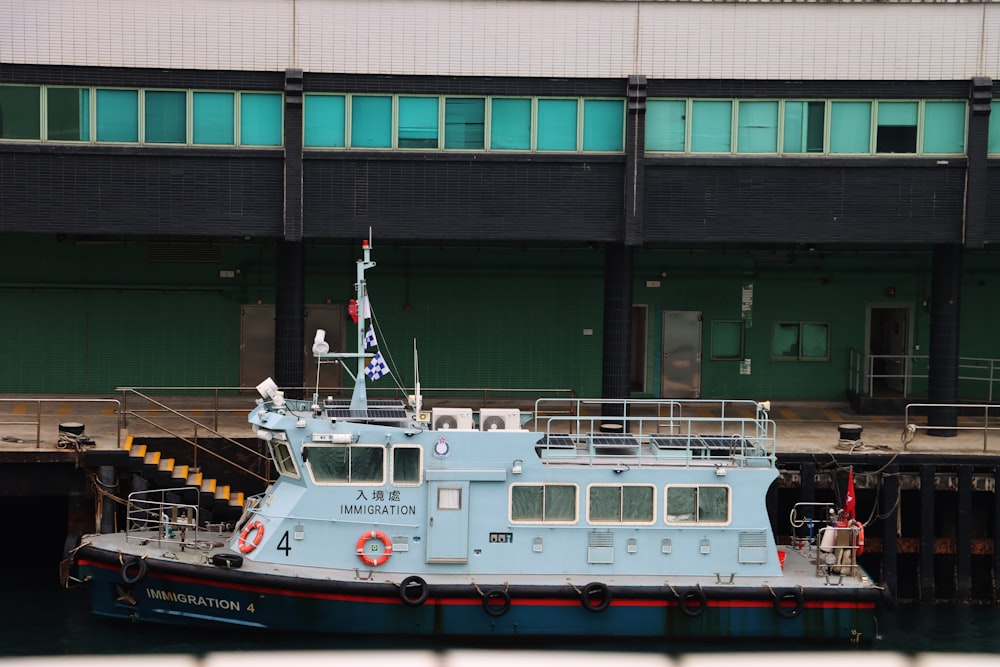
[359,399]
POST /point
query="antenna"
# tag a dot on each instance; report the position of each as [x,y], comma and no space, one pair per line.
[417,398]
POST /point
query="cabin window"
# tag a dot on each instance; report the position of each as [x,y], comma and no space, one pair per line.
[283,459]
[406,467]
[449,498]
[359,464]
[621,503]
[697,504]
[545,503]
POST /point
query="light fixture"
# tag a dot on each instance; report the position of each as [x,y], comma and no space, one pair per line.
[320,346]
[515,469]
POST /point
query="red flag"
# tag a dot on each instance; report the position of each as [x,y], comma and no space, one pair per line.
[849,506]
[352,310]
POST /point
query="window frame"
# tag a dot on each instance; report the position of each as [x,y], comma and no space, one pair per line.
[698,521]
[543,520]
[392,465]
[350,481]
[799,356]
[621,521]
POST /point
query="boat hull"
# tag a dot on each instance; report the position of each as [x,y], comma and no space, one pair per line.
[205,595]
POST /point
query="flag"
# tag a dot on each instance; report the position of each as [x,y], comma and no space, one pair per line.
[352,310]
[370,337]
[367,310]
[849,503]
[377,367]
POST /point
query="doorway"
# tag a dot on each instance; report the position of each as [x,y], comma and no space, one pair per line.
[888,350]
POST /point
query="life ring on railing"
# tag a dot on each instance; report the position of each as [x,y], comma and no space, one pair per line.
[496,594]
[595,596]
[385,549]
[861,536]
[246,545]
[695,595]
[140,567]
[409,586]
[790,595]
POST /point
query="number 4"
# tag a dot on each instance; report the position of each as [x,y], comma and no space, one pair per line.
[284,544]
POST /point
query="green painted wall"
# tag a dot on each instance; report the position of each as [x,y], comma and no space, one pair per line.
[85,317]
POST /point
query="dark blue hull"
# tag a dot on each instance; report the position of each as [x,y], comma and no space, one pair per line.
[212,597]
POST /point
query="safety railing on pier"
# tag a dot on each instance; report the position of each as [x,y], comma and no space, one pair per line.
[988,413]
[644,431]
[46,418]
[905,375]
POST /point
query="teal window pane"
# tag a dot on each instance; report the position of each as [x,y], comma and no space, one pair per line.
[665,125]
[896,127]
[711,126]
[465,123]
[757,127]
[510,124]
[785,340]
[371,121]
[803,127]
[944,127]
[727,340]
[418,122]
[324,120]
[260,119]
[815,341]
[850,127]
[603,125]
[994,127]
[20,112]
[213,118]
[118,115]
[166,117]
[68,114]
[556,125]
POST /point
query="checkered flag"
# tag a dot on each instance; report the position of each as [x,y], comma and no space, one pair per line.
[377,367]
[370,337]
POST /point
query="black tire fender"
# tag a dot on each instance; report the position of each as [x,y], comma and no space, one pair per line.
[697,597]
[410,584]
[595,596]
[496,594]
[228,561]
[781,598]
[134,570]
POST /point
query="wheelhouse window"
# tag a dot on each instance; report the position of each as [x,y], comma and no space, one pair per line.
[697,504]
[283,459]
[543,503]
[621,503]
[407,468]
[353,464]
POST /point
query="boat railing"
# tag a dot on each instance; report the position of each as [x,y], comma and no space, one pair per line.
[648,431]
[831,542]
[164,516]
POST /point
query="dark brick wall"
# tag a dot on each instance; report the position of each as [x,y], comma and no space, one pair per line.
[464,197]
[141,191]
[859,202]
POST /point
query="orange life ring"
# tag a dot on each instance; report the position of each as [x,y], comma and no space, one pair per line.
[385,550]
[245,544]
[861,536]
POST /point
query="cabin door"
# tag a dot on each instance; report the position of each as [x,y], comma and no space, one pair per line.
[680,370]
[448,522]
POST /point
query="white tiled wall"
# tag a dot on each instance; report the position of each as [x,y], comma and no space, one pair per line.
[545,38]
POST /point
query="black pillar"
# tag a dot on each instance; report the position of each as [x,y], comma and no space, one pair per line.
[289,318]
[617,366]
[942,372]
[890,537]
[289,307]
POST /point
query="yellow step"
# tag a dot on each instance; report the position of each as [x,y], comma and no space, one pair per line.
[222,492]
[194,479]
[152,458]
[137,451]
[180,472]
[208,485]
[237,499]
[166,465]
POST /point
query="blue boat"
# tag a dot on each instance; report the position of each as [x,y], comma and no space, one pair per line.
[605,518]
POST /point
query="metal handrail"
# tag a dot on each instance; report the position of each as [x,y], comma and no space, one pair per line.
[38,402]
[266,459]
[911,428]
[862,374]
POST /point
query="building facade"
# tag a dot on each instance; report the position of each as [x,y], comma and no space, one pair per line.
[787,200]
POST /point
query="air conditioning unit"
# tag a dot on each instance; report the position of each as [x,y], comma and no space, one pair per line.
[451,418]
[499,419]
